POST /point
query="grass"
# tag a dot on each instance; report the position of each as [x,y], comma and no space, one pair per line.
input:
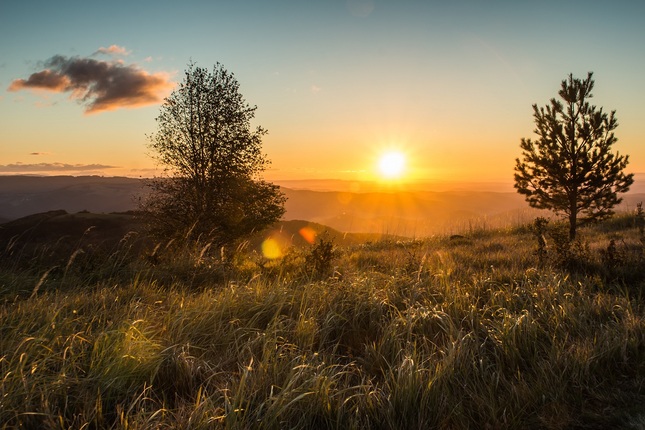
[434,333]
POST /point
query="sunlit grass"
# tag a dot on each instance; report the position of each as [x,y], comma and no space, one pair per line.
[468,332]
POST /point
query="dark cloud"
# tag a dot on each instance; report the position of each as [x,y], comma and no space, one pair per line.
[51,167]
[46,80]
[40,153]
[99,85]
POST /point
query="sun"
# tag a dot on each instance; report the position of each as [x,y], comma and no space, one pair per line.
[391,165]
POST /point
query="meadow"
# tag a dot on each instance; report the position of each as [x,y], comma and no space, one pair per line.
[482,330]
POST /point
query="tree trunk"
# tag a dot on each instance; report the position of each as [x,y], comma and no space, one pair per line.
[573,216]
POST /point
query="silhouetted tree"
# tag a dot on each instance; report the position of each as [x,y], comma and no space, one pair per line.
[212,159]
[570,168]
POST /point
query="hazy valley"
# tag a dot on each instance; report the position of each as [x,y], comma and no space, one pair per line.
[410,212]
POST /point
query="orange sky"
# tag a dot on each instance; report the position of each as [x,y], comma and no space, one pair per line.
[336,84]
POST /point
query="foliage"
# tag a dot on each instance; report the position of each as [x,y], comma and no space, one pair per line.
[570,255]
[570,168]
[321,258]
[212,158]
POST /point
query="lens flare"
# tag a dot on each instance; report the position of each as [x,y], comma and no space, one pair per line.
[271,249]
[308,234]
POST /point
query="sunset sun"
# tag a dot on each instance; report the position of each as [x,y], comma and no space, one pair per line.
[391,165]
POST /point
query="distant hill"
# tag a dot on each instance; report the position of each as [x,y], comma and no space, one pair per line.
[411,214]
[25,195]
[54,225]
[415,213]
[56,235]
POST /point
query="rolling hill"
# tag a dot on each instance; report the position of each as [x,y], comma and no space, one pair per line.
[412,213]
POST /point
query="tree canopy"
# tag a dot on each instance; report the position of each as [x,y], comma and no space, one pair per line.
[570,167]
[211,190]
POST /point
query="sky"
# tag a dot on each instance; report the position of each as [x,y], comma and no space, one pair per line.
[336,83]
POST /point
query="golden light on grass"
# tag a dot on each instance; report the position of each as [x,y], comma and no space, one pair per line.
[391,165]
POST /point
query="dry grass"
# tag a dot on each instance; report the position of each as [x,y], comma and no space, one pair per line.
[439,333]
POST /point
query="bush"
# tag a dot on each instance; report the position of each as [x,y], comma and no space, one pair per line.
[321,258]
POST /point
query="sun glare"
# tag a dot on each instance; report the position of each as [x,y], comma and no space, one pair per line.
[391,165]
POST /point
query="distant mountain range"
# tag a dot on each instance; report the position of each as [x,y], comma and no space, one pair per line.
[404,212]
[26,195]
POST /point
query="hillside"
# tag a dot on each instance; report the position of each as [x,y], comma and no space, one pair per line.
[469,332]
[57,234]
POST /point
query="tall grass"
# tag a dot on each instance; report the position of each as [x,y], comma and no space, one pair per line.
[436,333]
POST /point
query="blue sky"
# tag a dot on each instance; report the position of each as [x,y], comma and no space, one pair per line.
[336,83]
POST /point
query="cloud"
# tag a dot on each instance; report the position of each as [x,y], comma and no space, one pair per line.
[113,50]
[148,172]
[40,153]
[315,89]
[98,85]
[50,167]
[45,80]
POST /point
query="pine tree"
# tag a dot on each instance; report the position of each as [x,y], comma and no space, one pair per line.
[570,168]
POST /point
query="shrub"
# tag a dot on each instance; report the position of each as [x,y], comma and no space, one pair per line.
[321,258]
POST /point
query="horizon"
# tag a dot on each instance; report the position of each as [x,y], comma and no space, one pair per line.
[444,90]
[364,186]
[346,206]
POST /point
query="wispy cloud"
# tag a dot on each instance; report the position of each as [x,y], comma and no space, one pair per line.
[98,85]
[40,153]
[51,167]
[144,172]
[315,89]
[113,50]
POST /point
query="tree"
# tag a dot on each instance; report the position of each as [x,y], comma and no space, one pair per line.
[212,158]
[570,168]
